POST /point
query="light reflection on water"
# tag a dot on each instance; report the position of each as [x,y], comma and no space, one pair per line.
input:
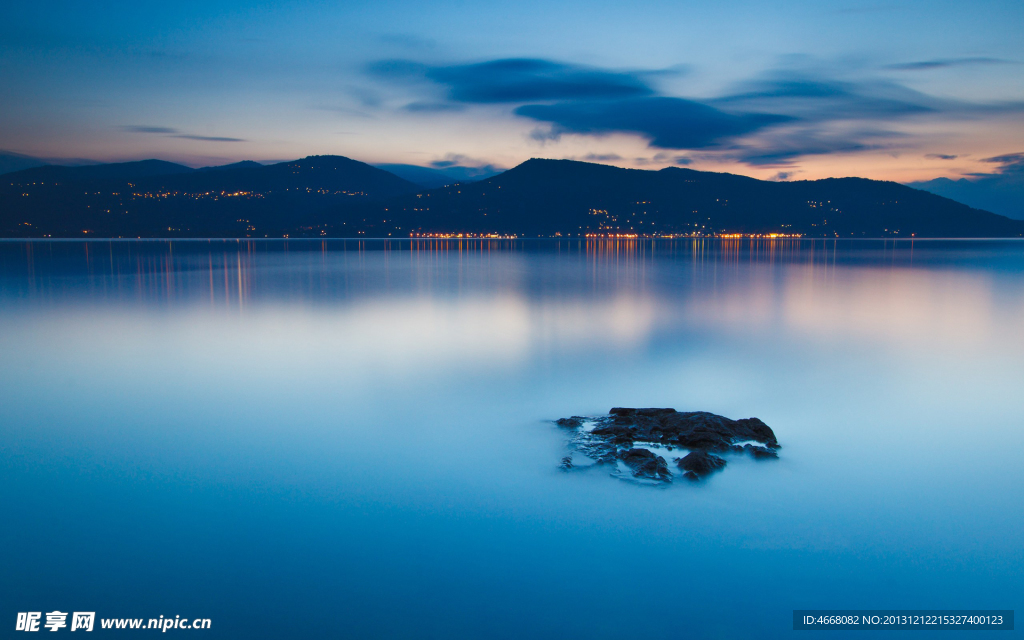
[348,438]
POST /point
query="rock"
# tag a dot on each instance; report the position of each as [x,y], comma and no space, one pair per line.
[622,411]
[566,463]
[701,463]
[645,464]
[760,453]
[609,457]
[758,431]
[689,429]
[615,436]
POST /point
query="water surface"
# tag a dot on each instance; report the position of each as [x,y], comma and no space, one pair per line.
[351,439]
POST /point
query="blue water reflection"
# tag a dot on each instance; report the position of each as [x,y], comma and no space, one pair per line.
[348,439]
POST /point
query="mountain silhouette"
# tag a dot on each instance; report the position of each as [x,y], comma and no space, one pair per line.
[340,197]
[11,162]
[111,171]
[244,164]
[549,197]
[1002,193]
[161,199]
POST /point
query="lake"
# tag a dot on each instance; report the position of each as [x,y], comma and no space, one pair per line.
[299,439]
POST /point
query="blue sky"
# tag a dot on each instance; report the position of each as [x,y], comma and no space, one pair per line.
[903,91]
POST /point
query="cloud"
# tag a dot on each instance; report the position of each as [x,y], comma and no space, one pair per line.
[602,157]
[663,158]
[472,166]
[143,129]
[450,160]
[432,107]
[667,123]
[1009,162]
[521,80]
[786,153]
[461,167]
[814,98]
[943,63]
[171,132]
[782,147]
[209,138]
[802,107]
[1011,168]
[543,135]
[838,115]
[941,156]
[782,176]
[517,80]
[812,95]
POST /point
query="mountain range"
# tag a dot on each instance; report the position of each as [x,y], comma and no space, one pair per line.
[562,197]
[335,196]
[1001,192]
[152,198]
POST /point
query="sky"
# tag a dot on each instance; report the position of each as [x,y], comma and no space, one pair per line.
[905,91]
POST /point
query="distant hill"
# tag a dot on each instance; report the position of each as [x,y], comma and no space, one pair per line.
[156,199]
[10,162]
[1002,193]
[548,197]
[111,171]
[336,196]
[431,178]
[312,174]
[244,164]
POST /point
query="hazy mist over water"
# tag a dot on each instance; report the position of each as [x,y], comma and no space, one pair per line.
[351,438]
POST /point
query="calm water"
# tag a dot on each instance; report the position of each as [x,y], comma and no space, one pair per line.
[349,439]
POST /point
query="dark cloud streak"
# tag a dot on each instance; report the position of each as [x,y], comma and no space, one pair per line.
[668,123]
[795,110]
[144,129]
[927,65]
[517,80]
[209,138]
[171,132]
[1009,160]
[432,107]
[814,98]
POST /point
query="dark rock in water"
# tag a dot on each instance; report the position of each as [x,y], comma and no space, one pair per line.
[608,456]
[701,463]
[760,452]
[566,463]
[645,464]
[615,436]
[622,411]
[690,429]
